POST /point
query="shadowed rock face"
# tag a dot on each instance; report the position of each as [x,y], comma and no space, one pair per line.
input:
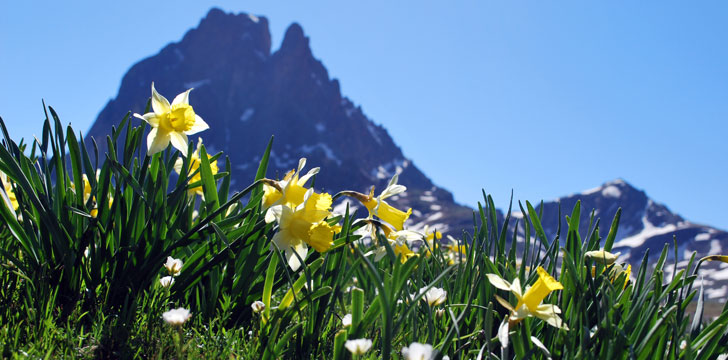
[246,93]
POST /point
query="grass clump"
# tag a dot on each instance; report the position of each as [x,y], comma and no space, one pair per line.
[94,256]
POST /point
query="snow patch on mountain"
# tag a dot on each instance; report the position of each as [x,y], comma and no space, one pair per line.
[648,231]
[611,191]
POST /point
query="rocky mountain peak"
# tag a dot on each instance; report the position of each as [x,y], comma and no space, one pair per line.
[246,93]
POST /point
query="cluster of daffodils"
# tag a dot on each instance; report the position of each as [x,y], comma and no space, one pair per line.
[174,267]
[530,301]
[301,215]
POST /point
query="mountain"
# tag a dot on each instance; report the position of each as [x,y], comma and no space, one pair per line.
[645,225]
[246,93]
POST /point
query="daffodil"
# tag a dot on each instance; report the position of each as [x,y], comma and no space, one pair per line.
[8,187]
[171,123]
[301,227]
[194,167]
[382,209]
[529,303]
[290,190]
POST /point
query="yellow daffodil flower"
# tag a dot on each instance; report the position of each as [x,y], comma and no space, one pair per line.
[194,167]
[529,303]
[171,123]
[380,208]
[290,190]
[301,227]
[8,187]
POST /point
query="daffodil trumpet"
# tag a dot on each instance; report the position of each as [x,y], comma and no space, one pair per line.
[378,207]
[530,302]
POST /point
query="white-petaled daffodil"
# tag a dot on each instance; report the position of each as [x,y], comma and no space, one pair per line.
[301,227]
[171,123]
[529,303]
[378,207]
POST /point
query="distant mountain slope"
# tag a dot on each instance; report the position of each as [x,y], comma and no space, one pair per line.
[247,93]
[644,225]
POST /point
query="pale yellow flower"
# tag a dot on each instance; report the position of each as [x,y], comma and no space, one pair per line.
[194,167]
[529,303]
[171,123]
[378,207]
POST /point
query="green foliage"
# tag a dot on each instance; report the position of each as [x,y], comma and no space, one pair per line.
[80,272]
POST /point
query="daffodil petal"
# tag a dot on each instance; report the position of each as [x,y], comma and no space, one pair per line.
[516,288]
[183,98]
[302,181]
[179,141]
[198,126]
[553,320]
[160,104]
[178,165]
[157,141]
[499,282]
[151,118]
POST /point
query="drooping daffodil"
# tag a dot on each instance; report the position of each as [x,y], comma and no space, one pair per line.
[194,167]
[301,227]
[601,256]
[171,123]
[529,303]
[378,207]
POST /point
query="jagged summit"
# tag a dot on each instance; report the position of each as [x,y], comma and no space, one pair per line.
[246,92]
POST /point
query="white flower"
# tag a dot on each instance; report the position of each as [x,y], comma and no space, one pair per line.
[434,296]
[174,266]
[166,281]
[257,306]
[358,346]
[439,313]
[417,351]
[176,317]
[346,320]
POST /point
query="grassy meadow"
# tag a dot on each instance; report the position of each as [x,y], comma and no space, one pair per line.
[149,254]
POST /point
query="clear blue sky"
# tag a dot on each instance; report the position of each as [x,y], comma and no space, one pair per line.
[544,98]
